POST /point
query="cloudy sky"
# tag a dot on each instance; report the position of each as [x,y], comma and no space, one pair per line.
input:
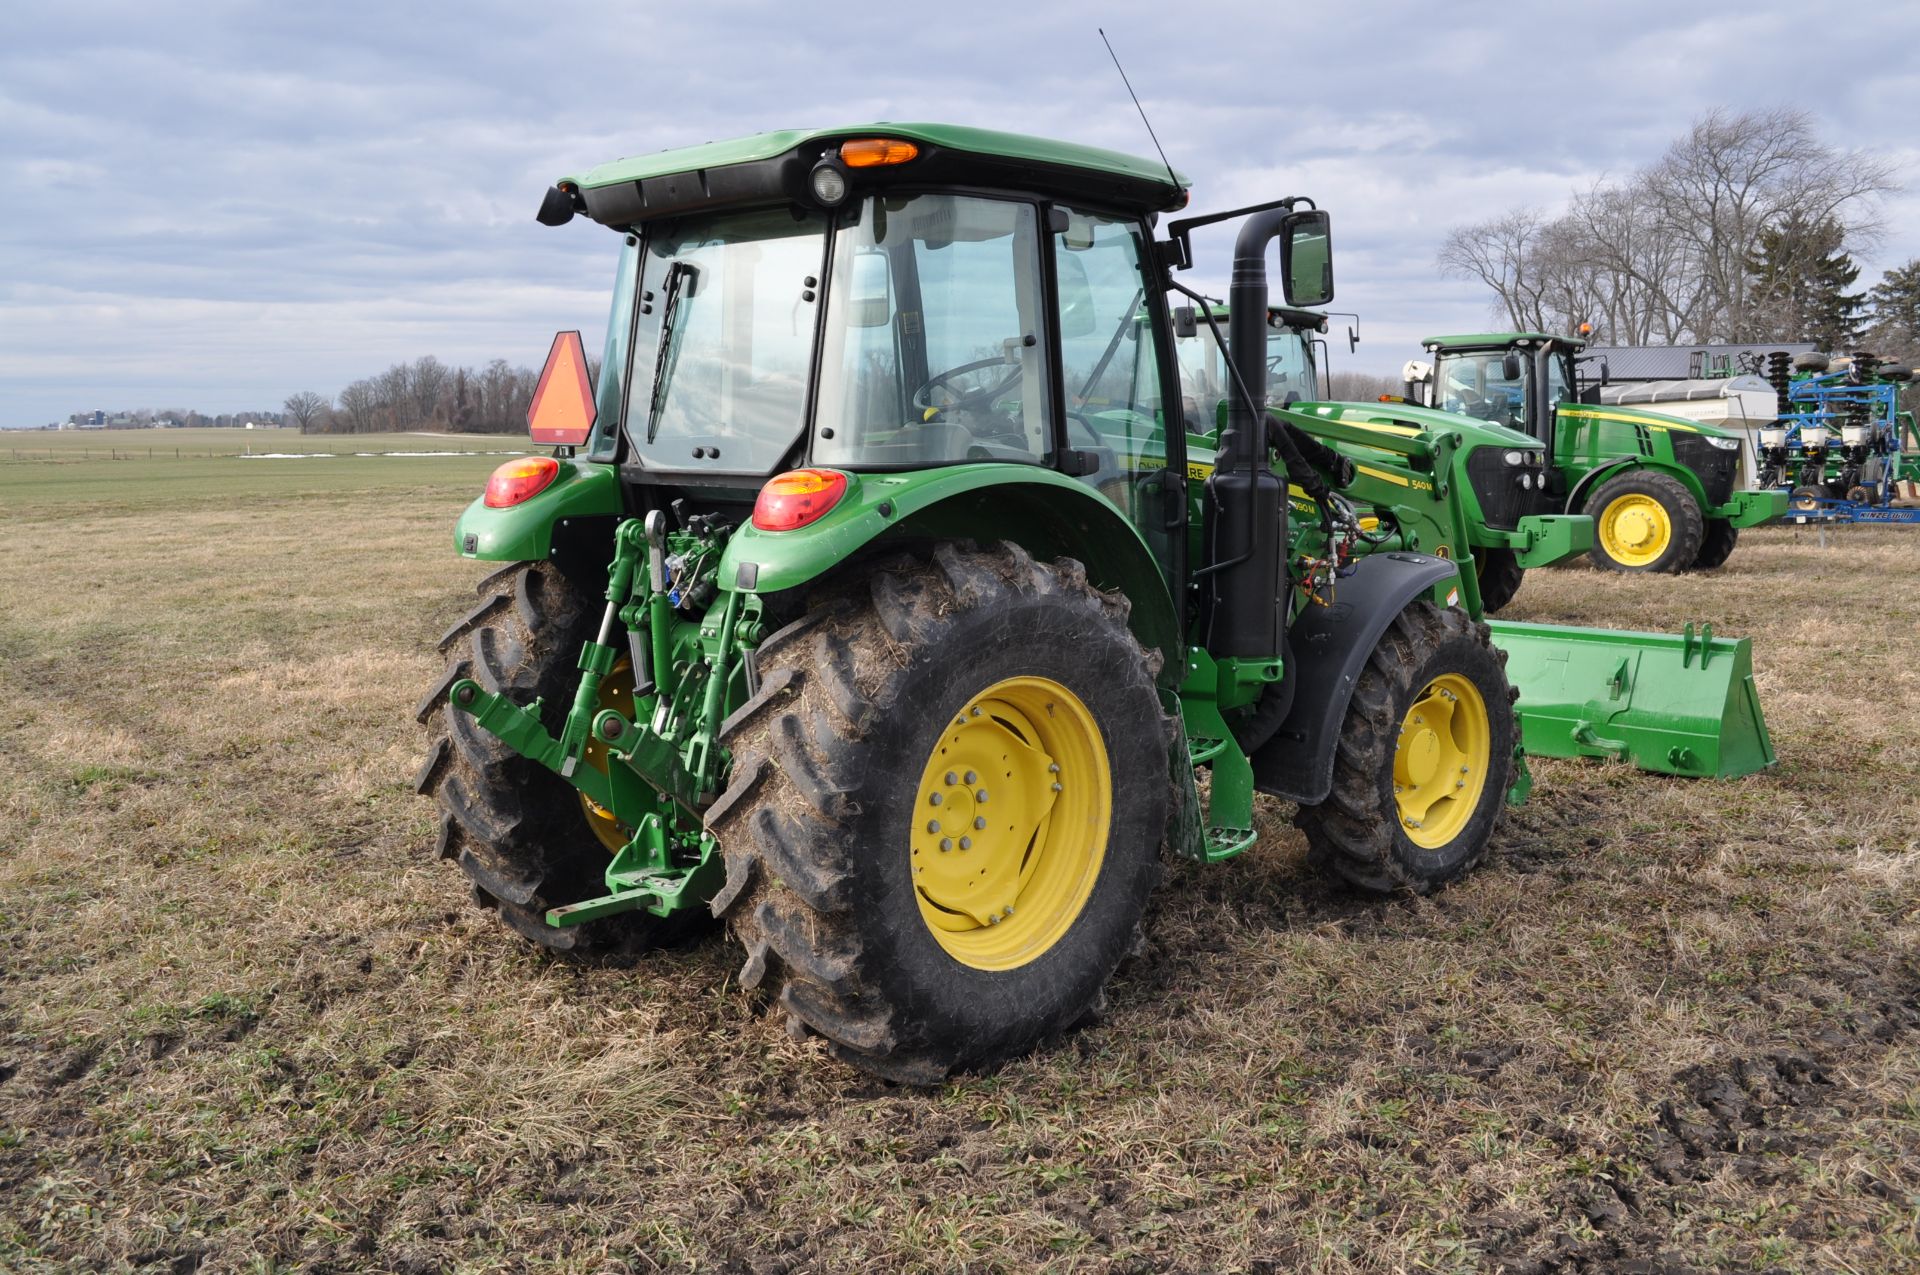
[214,205]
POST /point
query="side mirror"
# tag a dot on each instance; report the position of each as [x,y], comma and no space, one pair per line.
[1510,366]
[1185,323]
[1076,298]
[1306,258]
[869,291]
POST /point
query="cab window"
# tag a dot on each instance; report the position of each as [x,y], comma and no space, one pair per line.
[933,351]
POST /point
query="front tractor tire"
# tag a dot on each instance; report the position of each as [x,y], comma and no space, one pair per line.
[947,801]
[523,837]
[1717,545]
[1644,520]
[1424,759]
[1499,573]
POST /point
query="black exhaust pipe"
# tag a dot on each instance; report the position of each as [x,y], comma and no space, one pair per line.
[1249,499]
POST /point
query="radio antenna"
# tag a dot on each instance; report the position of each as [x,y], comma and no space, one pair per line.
[1136,106]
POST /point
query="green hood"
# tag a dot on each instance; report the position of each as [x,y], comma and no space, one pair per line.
[1401,417]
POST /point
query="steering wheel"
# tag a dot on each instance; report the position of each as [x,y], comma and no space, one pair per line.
[968,400]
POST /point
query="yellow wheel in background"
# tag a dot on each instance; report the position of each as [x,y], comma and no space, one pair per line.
[1635,530]
[616,692]
[1440,761]
[1011,822]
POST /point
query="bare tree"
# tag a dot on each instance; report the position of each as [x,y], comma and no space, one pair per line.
[359,407]
[1667,255]
[1500,254]
[304,409]
[426,382]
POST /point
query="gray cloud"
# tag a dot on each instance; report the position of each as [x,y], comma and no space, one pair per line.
[220,205]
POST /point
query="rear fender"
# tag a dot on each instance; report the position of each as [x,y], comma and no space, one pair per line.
[525,532]
[1046,513]
[1330,646]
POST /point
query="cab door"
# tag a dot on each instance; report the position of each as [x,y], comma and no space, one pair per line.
[1115,401]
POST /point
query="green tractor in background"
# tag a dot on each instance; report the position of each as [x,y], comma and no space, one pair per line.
[1501,472]
[871,602]
[1664,493]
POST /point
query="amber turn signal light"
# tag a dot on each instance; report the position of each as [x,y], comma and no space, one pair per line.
[798,497]
[520,480]
[876,152]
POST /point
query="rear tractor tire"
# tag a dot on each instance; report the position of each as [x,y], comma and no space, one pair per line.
[1424,759]
[1644,520]
[1716,545]
[1499,574]
[946,805]
[523,836]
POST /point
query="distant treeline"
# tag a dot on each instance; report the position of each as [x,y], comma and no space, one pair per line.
[425,394]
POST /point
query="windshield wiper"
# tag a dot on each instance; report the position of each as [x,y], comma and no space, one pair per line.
[679,275]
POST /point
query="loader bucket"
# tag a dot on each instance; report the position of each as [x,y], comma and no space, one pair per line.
[1676,704]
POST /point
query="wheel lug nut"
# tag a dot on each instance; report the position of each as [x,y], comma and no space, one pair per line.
[1053,768]
[950,779]
[981,795]
[1056,787]
[946,843]
[971,776]
[979,821]
[933,825]
[934,800]
[966,843]
[976,712]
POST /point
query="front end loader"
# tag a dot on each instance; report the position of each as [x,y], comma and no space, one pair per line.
[871,603]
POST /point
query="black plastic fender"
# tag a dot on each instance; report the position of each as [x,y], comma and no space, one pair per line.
[1330,645]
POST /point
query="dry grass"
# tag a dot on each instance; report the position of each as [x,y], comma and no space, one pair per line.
[246,1022]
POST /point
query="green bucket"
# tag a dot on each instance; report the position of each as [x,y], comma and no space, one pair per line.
[1680,704]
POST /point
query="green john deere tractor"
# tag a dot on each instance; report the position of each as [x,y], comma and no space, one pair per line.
[1664,493]
[1500,471]
[868,604]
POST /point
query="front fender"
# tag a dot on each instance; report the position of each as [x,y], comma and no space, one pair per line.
[524,532]
[1328,647]
[1048,514]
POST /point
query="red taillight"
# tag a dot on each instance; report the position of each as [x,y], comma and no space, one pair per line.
[797,497]
[519,480]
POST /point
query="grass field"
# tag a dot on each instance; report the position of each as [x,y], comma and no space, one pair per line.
[247,1022]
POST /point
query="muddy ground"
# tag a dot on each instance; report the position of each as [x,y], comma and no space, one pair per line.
[247,1022]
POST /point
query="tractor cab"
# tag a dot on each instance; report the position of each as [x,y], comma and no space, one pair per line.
[1516,379]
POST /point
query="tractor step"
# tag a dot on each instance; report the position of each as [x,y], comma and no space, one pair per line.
[1674,704]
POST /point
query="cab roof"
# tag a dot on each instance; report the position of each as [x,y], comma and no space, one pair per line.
[772,165]
[1499,340]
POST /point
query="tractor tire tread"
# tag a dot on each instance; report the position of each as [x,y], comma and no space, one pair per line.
[1716,545]
[1353,834]
[514,830]
[1689,524]
[787,821]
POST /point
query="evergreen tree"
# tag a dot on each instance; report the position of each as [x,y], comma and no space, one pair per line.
[1894,308]
[1800,275]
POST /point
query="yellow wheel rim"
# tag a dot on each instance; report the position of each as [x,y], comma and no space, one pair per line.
[1441,760]
[1635,530]
[1010,823]
[616,692]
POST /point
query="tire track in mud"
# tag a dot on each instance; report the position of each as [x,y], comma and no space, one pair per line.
[1752,1116]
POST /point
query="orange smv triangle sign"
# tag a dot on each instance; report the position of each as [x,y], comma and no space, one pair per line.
[563,409]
